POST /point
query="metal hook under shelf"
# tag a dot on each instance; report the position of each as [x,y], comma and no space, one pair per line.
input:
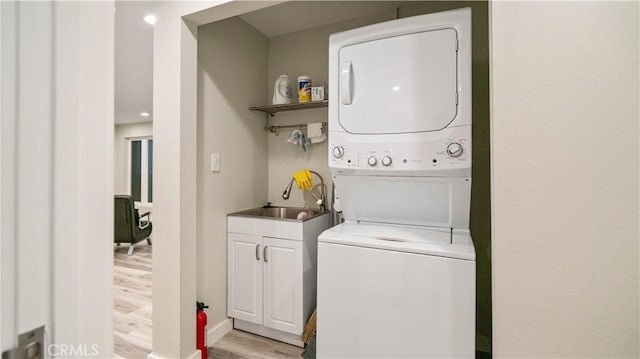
[271,110]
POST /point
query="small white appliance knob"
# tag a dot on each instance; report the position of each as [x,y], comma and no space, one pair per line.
[372,161]
[454,149]
[338,151]
[386,161]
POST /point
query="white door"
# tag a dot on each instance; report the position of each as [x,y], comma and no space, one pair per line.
[283,284]
[56,178]
[399,84]
[245,277]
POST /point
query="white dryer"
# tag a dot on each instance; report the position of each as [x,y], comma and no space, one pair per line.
[397,278]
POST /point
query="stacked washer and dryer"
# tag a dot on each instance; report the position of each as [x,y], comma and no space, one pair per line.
[397,278]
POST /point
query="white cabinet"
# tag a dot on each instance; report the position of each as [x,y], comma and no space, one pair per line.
[245,277]
[282,281]
[272,274]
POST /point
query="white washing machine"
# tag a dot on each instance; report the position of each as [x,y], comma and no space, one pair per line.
[397,278]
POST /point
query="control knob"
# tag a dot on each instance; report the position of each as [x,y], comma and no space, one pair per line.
[372,161]
[454,149]
[338,152]
[386,161]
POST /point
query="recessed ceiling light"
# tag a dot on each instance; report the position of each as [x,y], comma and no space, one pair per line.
[150,19]
[144,114]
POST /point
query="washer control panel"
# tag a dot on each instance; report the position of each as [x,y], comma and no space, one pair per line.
[454,152]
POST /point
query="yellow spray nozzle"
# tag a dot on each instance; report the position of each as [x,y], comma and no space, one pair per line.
[303,179]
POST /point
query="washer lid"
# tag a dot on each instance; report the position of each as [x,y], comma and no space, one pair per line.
[439,242]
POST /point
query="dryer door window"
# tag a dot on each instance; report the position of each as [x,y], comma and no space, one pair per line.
[400,84]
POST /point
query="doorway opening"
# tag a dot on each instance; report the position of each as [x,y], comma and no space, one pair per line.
[133,180]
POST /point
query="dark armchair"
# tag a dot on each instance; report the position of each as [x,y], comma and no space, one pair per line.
[129,226]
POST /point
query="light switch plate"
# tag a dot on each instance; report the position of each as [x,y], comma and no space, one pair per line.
[215,162]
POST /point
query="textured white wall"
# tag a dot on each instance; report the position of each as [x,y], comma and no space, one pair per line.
[120,161]
[565,179]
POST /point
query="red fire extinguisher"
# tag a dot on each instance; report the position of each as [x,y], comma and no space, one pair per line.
[201,328]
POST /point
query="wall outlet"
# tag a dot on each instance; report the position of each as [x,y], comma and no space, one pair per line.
[215,162]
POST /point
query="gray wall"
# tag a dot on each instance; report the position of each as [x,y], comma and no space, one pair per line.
[232,75]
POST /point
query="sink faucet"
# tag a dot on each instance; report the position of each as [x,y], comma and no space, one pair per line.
[287,190]
[319,201]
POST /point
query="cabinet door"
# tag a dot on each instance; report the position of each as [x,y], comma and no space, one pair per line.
[283,284]
[244,277]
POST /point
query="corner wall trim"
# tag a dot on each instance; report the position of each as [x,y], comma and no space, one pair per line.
[219,331]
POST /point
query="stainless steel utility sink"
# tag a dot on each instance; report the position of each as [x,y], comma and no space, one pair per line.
[281,213]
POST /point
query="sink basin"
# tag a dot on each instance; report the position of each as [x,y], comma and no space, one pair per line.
[282,213]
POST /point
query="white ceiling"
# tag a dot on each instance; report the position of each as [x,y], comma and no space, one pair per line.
[301,15]
[133,62]
[134,42]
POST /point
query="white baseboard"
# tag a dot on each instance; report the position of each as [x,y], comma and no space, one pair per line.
[219,331]
[196,355]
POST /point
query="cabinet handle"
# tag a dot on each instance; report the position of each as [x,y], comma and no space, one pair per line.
[264,254]
[257,252]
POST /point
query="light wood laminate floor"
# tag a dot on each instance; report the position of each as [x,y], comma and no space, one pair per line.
[242,345]
[132,316]
[132,301]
